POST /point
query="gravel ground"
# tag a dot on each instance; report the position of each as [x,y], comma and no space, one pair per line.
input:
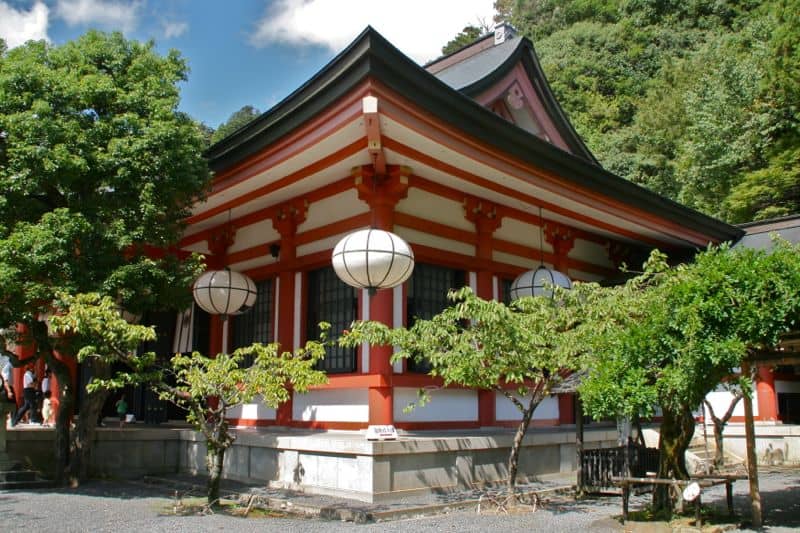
[131,506]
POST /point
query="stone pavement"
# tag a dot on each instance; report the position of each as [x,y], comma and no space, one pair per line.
[556,486]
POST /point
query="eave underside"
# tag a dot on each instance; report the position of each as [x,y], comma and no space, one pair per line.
[315,164]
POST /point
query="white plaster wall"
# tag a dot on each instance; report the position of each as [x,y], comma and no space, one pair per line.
[426,239]
[254,234]
[505,410]
[435,208]
[519,232]
[334,405]
[455,405]
[253,411]
[524,262]
[263,260]
[787,386]
[321,245]
[720,400]
[337,207]
[592,252]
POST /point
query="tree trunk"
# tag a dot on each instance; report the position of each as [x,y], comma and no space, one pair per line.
[66,404]
[215,457]
[218,440]
[513,458]
[677,430]
[719,453]
[86,428]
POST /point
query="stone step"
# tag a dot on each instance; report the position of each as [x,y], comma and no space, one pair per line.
[18,475]
[23,485]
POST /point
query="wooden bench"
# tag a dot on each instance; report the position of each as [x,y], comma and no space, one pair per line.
[705,481]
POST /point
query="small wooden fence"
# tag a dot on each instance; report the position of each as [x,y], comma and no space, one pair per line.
[600,466]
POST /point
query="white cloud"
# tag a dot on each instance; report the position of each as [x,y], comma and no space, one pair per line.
[109,14]
[174,29]
[419,28]
[17,26]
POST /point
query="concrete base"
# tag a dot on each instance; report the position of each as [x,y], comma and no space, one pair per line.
[340,463]
[776,444]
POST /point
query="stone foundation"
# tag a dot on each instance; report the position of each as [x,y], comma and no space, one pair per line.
[340,463]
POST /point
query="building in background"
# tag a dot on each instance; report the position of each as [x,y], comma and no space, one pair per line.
[471,160]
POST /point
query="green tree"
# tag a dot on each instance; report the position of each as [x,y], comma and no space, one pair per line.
[669,336]
[93,328]
[737,393]
[237,120]
[208,387]
[464,37]
[696,100]
[97,171]
[487,345]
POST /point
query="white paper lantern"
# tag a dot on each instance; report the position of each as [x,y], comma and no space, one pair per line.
[373,259]
[224,292]
[539,282]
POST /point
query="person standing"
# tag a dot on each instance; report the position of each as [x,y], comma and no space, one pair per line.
[47,409]
[28,395]
[122,410]
[7,389]
[5,375]
[46,381]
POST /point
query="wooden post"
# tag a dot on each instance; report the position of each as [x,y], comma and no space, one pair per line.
[750,445]
[579,443]
[729,496]
[626,493]
[698,517]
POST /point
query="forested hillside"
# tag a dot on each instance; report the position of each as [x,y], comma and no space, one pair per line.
[696,99]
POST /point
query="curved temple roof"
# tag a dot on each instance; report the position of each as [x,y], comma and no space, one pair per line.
[448,95]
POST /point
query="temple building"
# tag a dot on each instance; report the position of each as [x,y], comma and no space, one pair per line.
[471,160]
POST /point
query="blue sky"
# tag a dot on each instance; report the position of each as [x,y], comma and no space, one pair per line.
[246,51]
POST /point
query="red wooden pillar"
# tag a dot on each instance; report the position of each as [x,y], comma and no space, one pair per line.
[286,220]
[218,243]
[25,349]
[381,193]
[562,239]
[487,220]
[55,387]
[767,399]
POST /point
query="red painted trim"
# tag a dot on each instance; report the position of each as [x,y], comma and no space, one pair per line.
[767,398]
[403,111]
[315,167]
[252,422]
[425,159]
[535,108]
[375,380]
[326,191]
[505,211]
[566,409]
[415,380]
[435,228]
[448,232]
[333,119]
[487,408]
[537,423]
[334,228]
